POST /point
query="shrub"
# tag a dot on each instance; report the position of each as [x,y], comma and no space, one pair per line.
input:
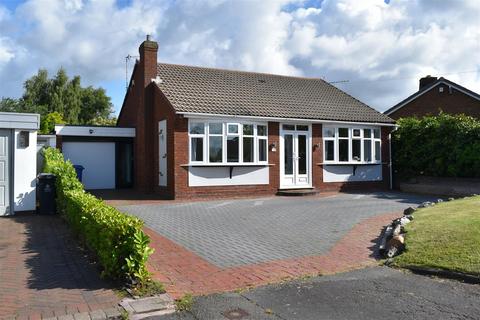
[442,146]
[117,239]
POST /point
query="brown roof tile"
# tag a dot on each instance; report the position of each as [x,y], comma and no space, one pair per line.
[218,91]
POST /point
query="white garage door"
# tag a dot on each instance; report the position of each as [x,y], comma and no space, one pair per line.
[98,159]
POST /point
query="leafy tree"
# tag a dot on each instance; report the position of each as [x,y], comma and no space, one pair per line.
[9,105]
[47,123]
[66,97]
[101,121]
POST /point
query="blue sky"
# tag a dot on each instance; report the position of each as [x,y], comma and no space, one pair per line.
[381,47]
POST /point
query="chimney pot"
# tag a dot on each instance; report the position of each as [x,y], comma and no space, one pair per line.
[148,37]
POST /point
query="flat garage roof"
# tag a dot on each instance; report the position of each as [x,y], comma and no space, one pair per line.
[94,131]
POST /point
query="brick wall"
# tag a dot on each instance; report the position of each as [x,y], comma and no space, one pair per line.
[137,111]
[431,102]
[183,191]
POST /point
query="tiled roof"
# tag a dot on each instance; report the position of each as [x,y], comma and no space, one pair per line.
[217,91]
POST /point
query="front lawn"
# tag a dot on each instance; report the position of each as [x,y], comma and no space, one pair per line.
[446,236]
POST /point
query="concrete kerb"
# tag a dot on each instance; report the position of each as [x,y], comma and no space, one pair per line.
[148,307]
[110,314]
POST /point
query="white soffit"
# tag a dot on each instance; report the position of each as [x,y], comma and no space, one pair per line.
[94,131]
[13,120]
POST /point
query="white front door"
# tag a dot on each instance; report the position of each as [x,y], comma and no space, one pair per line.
[162,153]
[4,172]
[295,156]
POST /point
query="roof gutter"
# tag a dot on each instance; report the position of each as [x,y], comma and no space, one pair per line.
[209,115]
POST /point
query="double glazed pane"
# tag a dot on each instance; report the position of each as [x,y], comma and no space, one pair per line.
[356,150]
[262,150]
[215,128]
[343,149]
[215,148]
[261,130]
[377,150]
[197,149]
[288,157]
[329,150]
[367,150]
[197,128]
[302,154]
[248,149]
[232,149]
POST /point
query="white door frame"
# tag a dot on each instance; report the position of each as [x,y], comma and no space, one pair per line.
[295,184]
[9,210]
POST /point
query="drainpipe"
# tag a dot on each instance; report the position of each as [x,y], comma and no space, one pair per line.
[390,156]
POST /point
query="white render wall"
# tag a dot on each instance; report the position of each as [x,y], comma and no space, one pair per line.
[220,176]
[25,172]
[333,173]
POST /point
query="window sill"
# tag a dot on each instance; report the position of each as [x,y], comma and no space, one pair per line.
[350,163]
[227,165]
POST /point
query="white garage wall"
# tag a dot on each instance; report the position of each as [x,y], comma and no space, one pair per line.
[25,173]
[98,158]
[332,173]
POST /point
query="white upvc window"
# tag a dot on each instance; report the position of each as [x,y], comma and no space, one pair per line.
[223,142]
[197,143]
[351,145]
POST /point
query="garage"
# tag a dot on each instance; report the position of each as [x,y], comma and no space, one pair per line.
[98,160]
[105,153]
[18,139]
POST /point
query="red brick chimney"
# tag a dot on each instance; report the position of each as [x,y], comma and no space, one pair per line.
[148,59]
[425,81]
[147,67]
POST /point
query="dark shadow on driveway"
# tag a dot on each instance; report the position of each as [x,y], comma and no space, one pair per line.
[52,256]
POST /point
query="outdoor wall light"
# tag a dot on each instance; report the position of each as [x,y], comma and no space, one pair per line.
[316,146]
[273,147]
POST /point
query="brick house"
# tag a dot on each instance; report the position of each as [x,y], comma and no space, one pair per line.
[435,95]
[213,132]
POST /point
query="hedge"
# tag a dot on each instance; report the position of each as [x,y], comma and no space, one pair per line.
[117,239]
[439,146]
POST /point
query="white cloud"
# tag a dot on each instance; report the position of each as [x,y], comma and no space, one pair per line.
[367,42]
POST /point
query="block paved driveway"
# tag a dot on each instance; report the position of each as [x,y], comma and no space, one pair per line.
[44,274]
[264,239]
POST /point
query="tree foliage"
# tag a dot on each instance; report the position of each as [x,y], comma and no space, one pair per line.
[63,96]
[442,146]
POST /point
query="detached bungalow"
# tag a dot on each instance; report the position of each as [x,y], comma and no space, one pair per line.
[213,132]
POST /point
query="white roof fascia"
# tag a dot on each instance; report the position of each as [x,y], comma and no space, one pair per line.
[14,120]
[279,119]
[94,131]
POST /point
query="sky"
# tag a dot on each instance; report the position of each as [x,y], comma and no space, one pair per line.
[375,50]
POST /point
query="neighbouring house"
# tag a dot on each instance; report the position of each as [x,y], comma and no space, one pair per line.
[213,132]
[18,142]
[435,95]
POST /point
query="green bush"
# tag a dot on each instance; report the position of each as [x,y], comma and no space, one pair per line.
[439,146]
[117,239]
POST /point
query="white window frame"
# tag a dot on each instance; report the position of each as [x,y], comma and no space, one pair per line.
[197,135]
[225,134]
[362,138]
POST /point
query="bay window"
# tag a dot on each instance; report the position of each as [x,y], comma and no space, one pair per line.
[351,145]
[216,142]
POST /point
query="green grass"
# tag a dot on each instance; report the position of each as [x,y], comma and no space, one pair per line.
[446,236]
[185,303]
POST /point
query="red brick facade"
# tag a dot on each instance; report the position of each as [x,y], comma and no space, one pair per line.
[145,105]
[431,102]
